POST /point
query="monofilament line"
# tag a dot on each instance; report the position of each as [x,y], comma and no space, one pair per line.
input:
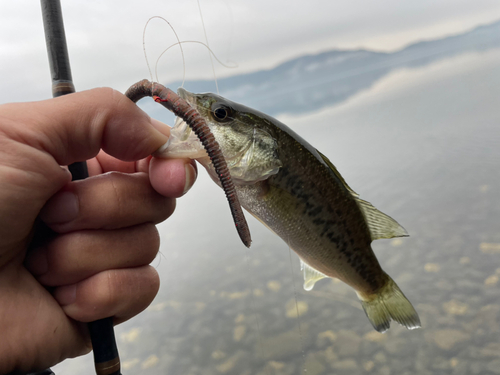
[208,45]
[256,317]
[298,313]
[197,42]
[146,55]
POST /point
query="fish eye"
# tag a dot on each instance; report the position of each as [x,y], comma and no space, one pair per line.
[221,112]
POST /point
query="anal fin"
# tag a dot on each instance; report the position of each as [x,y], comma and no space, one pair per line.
[310,275]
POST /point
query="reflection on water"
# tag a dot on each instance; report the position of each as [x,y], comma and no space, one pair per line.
[312,82]
[422,146]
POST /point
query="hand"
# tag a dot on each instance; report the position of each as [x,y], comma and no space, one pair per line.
[95,265]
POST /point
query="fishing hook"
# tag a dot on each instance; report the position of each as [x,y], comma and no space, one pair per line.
[197,123]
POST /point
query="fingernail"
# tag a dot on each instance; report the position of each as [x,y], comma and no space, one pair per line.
[61,208]
[190,176]
[65,295]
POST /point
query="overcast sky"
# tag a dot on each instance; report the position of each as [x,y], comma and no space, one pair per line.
[105,37]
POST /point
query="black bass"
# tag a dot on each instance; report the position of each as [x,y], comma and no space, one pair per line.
[297,192]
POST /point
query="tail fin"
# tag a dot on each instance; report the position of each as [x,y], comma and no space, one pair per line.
[389,303]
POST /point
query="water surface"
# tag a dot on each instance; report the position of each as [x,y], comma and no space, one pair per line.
[421,144]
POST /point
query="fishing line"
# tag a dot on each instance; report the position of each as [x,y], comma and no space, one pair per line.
[178,42]
[297,311]
[208,46]
[256,317]
[231,31]
[191,41]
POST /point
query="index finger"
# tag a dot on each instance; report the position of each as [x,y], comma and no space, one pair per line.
[75,127]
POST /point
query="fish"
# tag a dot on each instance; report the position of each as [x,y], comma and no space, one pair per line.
[296,192]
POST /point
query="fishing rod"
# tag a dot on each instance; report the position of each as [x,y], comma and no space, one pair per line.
[106,359]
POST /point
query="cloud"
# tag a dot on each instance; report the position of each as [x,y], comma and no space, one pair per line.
[105,38]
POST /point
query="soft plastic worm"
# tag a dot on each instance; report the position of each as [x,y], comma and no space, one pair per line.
[181,108]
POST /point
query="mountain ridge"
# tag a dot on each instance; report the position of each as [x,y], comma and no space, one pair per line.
[313,81]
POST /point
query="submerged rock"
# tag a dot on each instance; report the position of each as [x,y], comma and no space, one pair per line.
[494,366]
[447,338]
[455,307]
[346,365]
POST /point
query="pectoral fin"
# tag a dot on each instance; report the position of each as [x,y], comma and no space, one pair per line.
[310,275]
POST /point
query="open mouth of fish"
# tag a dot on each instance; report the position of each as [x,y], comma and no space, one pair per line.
[183,143]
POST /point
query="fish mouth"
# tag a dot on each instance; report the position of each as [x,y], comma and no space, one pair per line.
[186,95]
[183,142]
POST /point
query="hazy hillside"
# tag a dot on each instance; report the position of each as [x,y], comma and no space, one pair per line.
[311,82]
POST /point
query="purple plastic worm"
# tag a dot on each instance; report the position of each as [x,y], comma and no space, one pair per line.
[181,108]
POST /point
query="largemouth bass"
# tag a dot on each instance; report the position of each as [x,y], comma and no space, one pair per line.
[298,194]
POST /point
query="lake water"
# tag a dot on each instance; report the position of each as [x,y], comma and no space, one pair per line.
[422,145]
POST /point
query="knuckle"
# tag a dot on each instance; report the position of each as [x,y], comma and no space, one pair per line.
[148,283]
[119,293]
[152,242]
[165,210]
[144,240]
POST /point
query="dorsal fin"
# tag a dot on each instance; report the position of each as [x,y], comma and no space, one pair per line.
[337,173]
[310,275]
[380,224]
